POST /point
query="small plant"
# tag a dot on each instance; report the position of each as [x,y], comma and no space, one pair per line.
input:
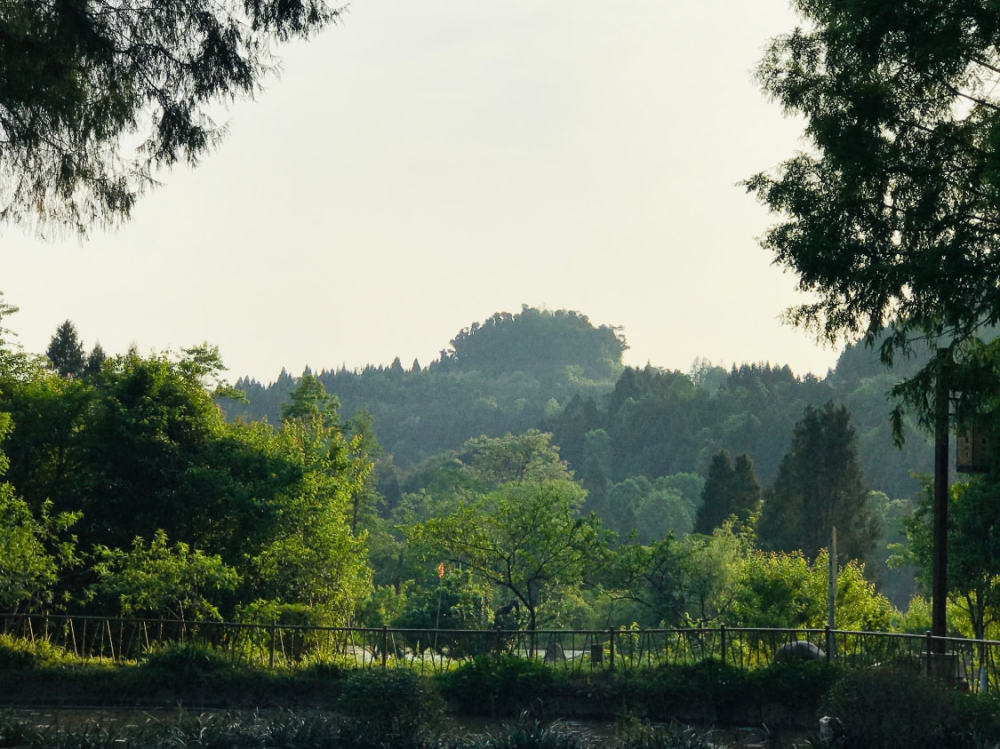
[392,708]
[635,734]
[532,734]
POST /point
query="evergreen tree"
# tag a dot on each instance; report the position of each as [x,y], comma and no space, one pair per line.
[97,96]
[66,352]
[309,400]
[745,492]
[95,360]
[819,486]
[596,472]
[716,497]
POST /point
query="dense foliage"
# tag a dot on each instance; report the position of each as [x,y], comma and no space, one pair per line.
[129,492]
[96,95]
[173,511]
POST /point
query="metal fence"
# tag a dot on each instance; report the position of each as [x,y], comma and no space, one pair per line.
[286,646]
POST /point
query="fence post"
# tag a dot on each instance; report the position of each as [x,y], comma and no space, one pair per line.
[611,648]
[722,642]
[385,644]
[270,658]
[829,642]
[928,653]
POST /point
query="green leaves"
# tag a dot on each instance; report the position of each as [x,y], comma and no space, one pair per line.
[523,538]
[157,579]
[891,219]
[81,80]
[33,551]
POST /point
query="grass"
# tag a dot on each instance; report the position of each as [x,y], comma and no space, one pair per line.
[339,706]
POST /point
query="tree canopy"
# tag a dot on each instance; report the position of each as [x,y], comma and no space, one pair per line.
[819,486]
[82,81]
[892,218]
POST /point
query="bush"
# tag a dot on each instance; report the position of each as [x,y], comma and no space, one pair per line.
[702,692]
[20,655]
[892,709]
[186,663]
[795,686]
[15,656]
[502,685]
[394,708]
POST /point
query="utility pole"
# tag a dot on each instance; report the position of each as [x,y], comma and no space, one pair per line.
[939,590]
[832,595]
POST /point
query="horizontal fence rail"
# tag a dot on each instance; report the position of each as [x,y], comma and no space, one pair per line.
[972,663]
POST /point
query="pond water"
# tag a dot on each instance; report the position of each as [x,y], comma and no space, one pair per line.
[595,732]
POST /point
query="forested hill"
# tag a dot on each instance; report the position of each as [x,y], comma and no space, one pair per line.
[558,372]
[507,374]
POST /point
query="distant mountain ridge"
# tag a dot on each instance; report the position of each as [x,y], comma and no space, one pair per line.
[556,371]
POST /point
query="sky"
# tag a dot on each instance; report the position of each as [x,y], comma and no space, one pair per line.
[422,165]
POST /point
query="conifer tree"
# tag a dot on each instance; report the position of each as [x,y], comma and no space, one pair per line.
[745,493]
[716,497]
[66,352]
[97,95]
[819,486]
[95,359]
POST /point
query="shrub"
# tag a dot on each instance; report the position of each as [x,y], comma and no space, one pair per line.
[186,662]
[15,656]
[796,686]
[392,707]
[499,685]
[19,655]
[892,709]
[701,691]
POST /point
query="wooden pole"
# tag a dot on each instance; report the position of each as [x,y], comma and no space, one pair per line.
[939,592]
[832,594]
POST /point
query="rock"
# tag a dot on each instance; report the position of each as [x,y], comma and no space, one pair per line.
[831,732]
[800,650]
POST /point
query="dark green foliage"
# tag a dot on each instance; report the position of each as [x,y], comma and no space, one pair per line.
[185,663]
[15,657]
[533,734]
[745,489]
[81,80]
[634,734]
[504,375]
[819,485]
[498,685]
[309,400]
[654,423]
[893,709]
[393,708]
[95,360]
[142,451]
[973,547]
[537,342]
[653,577]
[65,351]
[796,686]
[890,216]
[716,497]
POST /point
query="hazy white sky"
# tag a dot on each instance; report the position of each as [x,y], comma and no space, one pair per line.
[425,164]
